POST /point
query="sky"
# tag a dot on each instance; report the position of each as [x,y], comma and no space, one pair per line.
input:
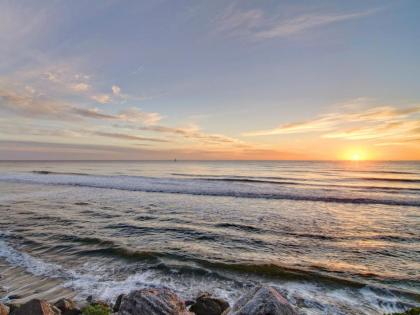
[164,79]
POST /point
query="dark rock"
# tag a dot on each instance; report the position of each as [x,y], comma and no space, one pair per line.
[189,302]
[152,302]
[262,301]
[4,310]
[12,307]
[117,304]
[37,307]
[67,307]
[14,297]
[208,305]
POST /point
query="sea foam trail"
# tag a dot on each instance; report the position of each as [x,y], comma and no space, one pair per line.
[245,189]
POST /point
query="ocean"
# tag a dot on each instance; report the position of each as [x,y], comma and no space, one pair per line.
[333,237]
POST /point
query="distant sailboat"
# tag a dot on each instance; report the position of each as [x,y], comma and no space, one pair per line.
[175,160]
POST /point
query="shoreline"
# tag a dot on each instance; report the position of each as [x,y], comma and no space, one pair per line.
[51,290]
[259,300]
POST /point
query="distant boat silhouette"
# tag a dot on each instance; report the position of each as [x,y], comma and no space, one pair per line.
[175,160]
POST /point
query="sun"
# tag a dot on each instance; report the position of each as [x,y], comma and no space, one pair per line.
[356,156]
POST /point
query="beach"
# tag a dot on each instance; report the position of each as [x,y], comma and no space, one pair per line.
[333,237]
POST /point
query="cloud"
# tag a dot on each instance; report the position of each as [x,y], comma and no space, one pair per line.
[30,105]
[239,22]
[133,114]
[195,134]
[258,24]
[116,90]
[51,76]
[27,104]
[373,123]
[331,121]
[80,87]
[101,98]
[398,142]
[385,130]
[127,136]
[319,124]
[91,113]
[308,21]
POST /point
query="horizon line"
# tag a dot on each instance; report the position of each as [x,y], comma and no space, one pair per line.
[207,160]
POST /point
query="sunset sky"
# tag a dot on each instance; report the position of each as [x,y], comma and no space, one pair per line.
[213,79]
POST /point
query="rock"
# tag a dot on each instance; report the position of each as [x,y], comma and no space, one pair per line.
[37,307]
[208,305]
[152,302]
[14,297]
[67,307]
[264,300]
[12,308]
[117,304]
[4,310]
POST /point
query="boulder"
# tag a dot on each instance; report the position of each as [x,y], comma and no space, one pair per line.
[117,304]
[37,307]
[67,307]
[12,308]
[4,310]
[208,305]
[152,302]
[262,300]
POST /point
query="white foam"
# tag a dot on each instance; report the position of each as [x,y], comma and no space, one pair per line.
[210,188]
[97,280]
[94,279]
[33,265]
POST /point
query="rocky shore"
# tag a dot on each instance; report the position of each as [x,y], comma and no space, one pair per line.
[160,301]
[261,300]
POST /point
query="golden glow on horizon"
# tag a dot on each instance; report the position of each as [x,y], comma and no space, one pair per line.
[355,155]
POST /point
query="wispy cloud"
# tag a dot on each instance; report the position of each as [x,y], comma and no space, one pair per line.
[26,104]
[373,123]
[65,79]
[399,142]
[127,136]
[134,114]
[308,21]
[382,131]
[101,98]
[318,124]
[259,24]
[194,133]
[80,87]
